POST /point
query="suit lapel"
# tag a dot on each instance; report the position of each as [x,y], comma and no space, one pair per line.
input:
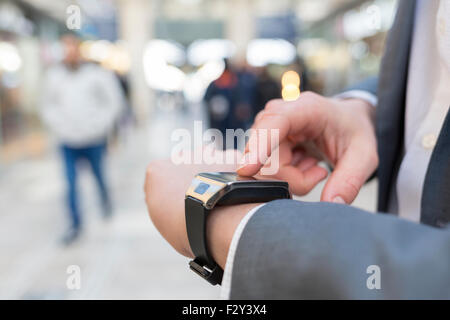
[392,99]
[435,206]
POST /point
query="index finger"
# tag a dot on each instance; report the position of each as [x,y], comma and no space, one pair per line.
[306,115]
[266,135]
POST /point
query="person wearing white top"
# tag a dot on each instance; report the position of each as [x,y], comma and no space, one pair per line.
[80,105]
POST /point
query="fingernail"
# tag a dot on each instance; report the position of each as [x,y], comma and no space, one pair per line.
[339,199]
[245,160]
[240,167]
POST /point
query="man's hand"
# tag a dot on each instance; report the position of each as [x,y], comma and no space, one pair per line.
[341,129]
[165,187]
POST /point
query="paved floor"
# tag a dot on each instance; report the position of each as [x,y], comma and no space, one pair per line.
[125,258]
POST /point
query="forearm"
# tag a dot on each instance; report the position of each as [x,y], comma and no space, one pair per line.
[221,225]
[326,251]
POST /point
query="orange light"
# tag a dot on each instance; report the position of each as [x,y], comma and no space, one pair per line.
[290,92]
[290,78]
[290,82]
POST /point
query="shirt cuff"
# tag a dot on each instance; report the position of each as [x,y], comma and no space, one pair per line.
[359,94]
[226,280]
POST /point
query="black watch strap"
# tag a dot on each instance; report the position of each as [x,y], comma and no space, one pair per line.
[203,264]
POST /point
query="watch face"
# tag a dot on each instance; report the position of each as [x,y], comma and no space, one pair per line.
[208,186]
[211,187]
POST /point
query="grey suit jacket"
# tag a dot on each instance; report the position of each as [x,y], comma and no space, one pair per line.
[296,250]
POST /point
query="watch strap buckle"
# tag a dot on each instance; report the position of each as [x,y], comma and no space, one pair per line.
[213,276]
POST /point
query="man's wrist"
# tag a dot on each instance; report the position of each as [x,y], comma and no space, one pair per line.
[221,225]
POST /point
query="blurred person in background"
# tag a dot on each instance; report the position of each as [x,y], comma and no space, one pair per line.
[221,98]
[246,97]
[299,66]
[266,89]
[81,103]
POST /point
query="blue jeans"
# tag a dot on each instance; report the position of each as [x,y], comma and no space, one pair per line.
[94,155]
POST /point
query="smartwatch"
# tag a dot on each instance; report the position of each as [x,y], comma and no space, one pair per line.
[212,189]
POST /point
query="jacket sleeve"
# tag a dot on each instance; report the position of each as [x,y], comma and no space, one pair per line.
[297,250]
[370,85]
[365,90]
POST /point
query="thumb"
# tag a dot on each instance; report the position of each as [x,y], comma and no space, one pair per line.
[351,172]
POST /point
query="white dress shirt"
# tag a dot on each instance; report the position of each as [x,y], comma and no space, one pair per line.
[427,103]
